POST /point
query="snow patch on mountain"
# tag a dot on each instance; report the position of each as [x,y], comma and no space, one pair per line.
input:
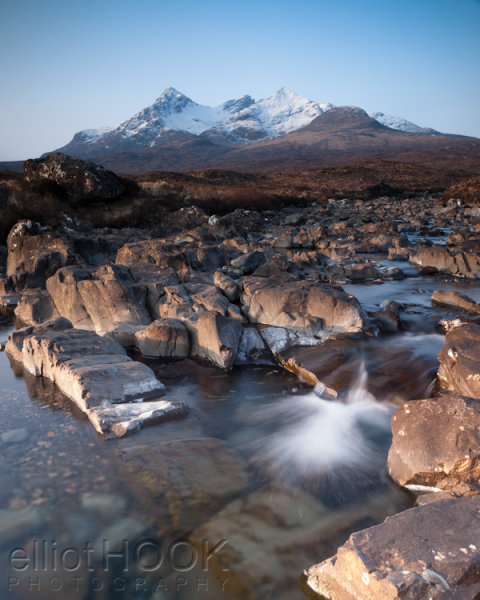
[395,122]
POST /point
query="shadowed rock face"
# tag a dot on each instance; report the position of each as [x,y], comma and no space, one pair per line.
[33,255]
[77,178]
[430,551]
[436,442]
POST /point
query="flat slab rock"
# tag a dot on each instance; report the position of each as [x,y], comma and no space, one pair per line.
[96,374]
[436,443]
[426,553]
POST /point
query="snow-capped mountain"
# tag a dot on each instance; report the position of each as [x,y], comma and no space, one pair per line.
[174,116]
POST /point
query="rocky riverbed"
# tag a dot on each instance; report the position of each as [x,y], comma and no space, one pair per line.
[240,372]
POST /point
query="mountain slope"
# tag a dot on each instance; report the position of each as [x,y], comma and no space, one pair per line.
[338,136]
[173,117]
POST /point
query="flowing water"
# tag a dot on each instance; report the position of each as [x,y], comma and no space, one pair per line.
[316,470]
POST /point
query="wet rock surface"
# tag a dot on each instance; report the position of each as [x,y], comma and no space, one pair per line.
[96,374]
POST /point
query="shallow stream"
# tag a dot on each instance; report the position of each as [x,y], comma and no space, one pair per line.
[316,470]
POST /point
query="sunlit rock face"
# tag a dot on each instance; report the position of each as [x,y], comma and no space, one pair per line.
[436,443]
[96,374]
[430,551]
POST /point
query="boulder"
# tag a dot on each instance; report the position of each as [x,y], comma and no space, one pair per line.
[103,299]
[192,478]
[455,300]
[301,305]
[429,551]
[207,297]
[35,255]
[175,302]
[249,262]
[181,257]
[459,370]
[164,338]
[35,307]
[461,264]
[155,279]
[79,179]
[227,285]
[214,337]
[436,443]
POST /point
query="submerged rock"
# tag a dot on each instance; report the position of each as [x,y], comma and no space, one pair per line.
[430,551]
[192,478]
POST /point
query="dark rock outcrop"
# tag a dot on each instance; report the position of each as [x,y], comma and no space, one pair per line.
[79,179]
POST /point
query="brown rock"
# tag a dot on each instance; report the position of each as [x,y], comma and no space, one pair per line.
[102,299]
[456,300]
[301,305]
[436,442]
[214,337]
[35,307]
[459,370]
[34,256]
[430,551]
[164,338]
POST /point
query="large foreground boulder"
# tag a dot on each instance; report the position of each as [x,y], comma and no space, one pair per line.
[301,305]
[79,179]
[430,552]
[436,443]
[459,370]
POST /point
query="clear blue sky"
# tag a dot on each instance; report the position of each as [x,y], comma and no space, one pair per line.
[68,65]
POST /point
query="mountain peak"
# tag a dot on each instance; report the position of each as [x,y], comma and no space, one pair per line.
[239,121]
